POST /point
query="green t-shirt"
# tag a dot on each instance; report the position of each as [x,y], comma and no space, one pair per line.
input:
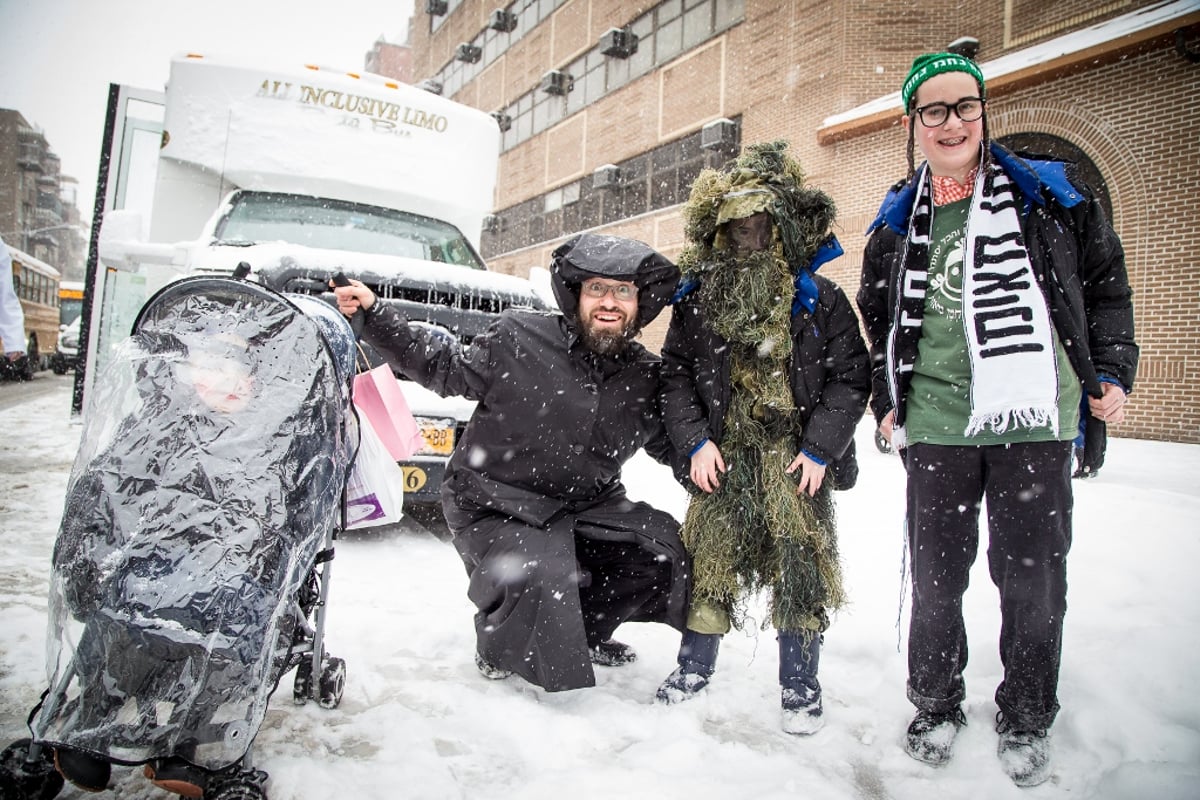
[939,397]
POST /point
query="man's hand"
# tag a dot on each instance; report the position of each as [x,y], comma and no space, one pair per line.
[1110,406]
[15,355]
[707,466]
[889,422]
[812,474]
[352,297]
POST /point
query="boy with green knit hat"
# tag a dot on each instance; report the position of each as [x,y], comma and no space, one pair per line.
[986,333]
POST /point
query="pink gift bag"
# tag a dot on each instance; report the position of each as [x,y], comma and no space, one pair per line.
[377,395]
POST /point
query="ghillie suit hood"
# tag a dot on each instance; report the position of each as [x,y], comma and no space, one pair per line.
[755,532]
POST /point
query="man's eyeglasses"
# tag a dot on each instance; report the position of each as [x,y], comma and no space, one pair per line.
[968,109]
[621,291]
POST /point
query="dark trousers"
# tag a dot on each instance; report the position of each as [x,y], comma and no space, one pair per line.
[618,581]
[1028,492]
[545,595]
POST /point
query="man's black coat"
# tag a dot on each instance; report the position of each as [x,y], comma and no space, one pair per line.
[539,468]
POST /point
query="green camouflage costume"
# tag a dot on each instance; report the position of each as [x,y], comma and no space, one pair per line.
[755,532]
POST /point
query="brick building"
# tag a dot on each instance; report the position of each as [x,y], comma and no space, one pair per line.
[36,215]
[610,109]
[393,60]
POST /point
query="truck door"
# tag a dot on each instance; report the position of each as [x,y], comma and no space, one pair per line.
[128,164]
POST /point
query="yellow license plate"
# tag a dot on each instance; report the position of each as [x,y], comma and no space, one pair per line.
[414,478]
[438,435]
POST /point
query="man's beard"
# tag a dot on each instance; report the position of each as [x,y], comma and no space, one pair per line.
[607,342]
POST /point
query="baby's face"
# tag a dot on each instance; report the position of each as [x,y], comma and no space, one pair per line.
[223,384]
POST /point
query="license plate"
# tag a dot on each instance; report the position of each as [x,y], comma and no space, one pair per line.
[438,435]
[414,478]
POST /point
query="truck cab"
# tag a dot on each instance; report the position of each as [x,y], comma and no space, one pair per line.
[299,172]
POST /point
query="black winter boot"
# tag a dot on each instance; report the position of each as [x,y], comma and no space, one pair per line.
[611,653]
[801,691]
[931,734]
[697,660]
[489,670]
[1024,752]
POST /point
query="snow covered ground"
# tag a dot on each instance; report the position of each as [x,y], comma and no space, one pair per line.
[418,721]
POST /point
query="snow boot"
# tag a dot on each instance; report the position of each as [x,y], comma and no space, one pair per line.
[490,672]
[801,691]
[611,653]
[1024,754]
[930,736]
[697,660]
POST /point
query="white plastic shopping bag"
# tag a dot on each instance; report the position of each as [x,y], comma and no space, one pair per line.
[375,488]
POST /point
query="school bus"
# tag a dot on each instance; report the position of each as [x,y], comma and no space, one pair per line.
[70,301]
[37,284]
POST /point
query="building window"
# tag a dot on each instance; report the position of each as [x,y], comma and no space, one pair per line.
[653,180]
[664,32]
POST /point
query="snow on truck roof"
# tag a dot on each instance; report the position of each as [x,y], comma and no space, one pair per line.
[356,136]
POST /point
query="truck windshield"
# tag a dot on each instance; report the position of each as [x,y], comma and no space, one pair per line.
[258,217]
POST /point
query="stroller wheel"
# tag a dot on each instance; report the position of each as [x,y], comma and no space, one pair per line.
[333,682]
[238,784]
[82,769]
[22,779]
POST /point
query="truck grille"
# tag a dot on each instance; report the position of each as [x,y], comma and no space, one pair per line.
[427,296]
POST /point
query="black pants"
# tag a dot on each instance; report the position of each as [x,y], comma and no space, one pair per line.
[618,581]
[1028,492]
[545,595]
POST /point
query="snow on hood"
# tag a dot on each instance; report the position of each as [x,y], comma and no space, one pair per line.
[205,257]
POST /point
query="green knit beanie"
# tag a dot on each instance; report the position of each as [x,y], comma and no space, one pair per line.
[926,66]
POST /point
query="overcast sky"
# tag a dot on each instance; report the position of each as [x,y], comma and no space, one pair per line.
[57,57]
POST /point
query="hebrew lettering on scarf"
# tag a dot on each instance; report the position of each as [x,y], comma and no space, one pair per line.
[1014,374]
[910,306]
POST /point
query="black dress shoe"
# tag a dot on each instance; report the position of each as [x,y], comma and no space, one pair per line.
[612,653]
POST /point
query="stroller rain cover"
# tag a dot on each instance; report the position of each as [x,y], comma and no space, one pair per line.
[210,473]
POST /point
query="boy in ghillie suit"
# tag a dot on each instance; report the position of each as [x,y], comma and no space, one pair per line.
[765,378]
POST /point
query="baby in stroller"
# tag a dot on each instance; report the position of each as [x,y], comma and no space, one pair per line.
[206,492]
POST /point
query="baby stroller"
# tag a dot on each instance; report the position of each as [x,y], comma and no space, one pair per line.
[191,567]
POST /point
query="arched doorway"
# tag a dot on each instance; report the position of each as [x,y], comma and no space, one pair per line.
[1048,145]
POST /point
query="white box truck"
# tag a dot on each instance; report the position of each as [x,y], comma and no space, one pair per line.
[301,172]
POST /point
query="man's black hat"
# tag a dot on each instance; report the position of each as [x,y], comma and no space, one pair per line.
[593,255]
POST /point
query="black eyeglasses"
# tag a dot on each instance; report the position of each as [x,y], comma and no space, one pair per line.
[968,109]
[621,291]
